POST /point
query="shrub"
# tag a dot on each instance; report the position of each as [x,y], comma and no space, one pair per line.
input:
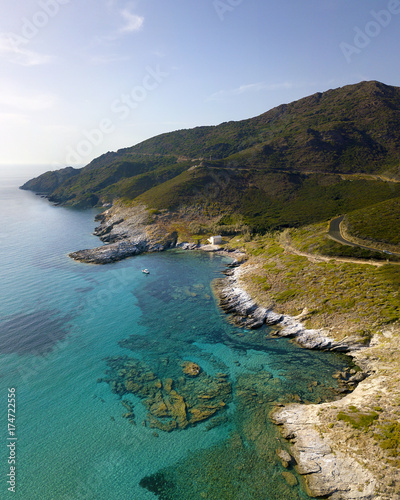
[357,419]
[389,438]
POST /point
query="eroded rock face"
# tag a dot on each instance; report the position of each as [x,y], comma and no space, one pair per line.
[244,310]
[285,457]
[127,231]
[172,403]
[328,473]
[248,314]
[289,478]
[109,253]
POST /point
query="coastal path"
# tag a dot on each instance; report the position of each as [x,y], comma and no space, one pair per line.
[286,244]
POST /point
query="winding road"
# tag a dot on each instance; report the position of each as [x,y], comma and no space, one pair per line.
[335,233]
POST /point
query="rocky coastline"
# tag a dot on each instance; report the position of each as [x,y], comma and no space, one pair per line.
[318,442]
[329,472]
[129,231]
[125,232]
[247,313]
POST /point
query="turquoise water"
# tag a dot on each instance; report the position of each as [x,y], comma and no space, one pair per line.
[69,330]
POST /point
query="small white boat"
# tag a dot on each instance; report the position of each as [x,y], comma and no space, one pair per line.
[145,271]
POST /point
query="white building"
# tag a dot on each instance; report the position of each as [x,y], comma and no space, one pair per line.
[215,240]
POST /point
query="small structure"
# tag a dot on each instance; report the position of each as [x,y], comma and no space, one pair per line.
[215,240]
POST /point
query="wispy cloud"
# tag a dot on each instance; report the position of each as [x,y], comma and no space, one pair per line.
[126,22]
[133,22]
[14,49]
[251,87]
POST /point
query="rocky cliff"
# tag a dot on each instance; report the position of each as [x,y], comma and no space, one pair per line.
[125,231]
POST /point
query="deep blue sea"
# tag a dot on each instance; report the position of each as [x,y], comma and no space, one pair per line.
[95,356]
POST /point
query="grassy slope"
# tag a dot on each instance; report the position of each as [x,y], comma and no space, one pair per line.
[51,180]
[314,239]
[377,223]
[107,179]
[266,201]
[345,298]
[347,130]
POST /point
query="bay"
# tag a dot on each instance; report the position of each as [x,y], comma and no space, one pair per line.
[69,332]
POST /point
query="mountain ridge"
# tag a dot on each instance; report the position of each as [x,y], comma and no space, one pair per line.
[253,166]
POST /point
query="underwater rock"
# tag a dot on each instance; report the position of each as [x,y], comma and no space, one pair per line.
[154,423]
[216,421]
[177,408]
[190,368]
[168,385]
[132,386]
[130,416]
[290,478]
[128,405]
[285,457]
[172,403]
[197,415]
[159,409]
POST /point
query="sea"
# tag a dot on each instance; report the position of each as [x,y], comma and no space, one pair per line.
[95,399]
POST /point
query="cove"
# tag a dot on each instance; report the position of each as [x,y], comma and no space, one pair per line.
[182,323]
[71,332]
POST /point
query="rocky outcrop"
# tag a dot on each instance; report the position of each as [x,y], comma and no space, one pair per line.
[245,311]
[110,253]
[285,457]
[190,368]
[248,314]
[172,403]
[328,472]
[126,231]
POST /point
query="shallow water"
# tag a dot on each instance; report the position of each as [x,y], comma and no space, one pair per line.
[69,330]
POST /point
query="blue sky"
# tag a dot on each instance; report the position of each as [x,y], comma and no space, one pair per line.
[80,78]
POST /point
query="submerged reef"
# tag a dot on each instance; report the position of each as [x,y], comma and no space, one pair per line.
[191,396]
[253,462]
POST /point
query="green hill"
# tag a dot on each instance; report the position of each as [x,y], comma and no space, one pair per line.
[378,223]
[298,163]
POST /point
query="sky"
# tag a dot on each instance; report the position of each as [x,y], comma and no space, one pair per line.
[79,78]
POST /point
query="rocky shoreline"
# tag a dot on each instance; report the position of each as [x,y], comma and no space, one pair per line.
[329,473]
[234,300]
[129,231]
[126,231]
[330,470]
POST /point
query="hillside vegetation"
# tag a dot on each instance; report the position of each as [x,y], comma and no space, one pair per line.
[344,298]
[298,163]
[377,223]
